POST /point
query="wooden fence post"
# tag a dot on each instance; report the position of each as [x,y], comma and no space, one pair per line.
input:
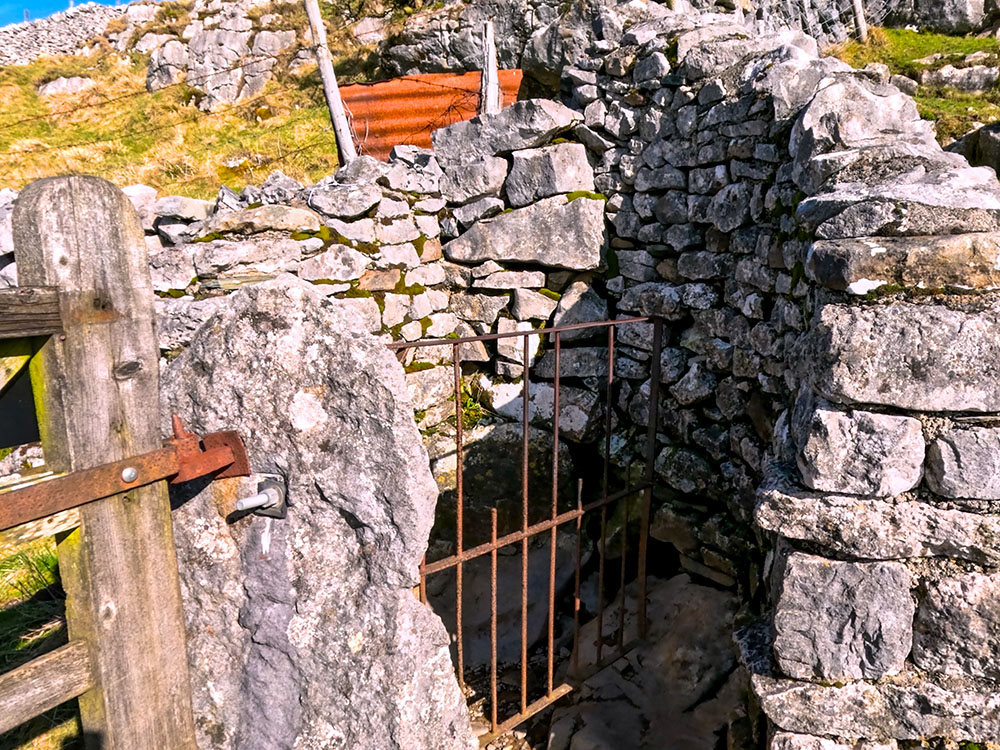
[490,100]
[346,152]
[97,396]
[860,24]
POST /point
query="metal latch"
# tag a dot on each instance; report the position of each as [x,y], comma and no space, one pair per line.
[184,457]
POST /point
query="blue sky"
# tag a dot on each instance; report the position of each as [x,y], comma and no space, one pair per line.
[12,11]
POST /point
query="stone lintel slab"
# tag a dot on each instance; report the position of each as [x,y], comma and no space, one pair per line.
[907,706]
[861,265]
[916,357]
[870,529]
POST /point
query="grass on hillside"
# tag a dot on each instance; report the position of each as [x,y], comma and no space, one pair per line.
[119,131]
[954,112]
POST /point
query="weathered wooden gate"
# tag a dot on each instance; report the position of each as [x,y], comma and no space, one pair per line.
[83,323]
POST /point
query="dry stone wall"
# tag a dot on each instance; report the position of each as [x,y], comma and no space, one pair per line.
[830,384]
[59,34]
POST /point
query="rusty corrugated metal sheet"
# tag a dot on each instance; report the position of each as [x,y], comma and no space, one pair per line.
[405,110]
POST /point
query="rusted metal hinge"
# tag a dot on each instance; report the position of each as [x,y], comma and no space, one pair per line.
[184,457]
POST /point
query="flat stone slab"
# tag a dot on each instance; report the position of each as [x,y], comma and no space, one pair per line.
[913,357]
[552,232]
[525,124]
[861,265]
[906,706]
[876,529]
[948,201]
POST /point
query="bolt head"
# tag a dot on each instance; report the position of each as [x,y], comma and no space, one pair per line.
[130,474]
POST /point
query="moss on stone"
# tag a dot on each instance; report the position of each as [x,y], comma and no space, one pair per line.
[419,367]
[576,194]
[550,294]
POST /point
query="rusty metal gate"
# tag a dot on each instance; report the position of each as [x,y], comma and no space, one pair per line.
[606,641]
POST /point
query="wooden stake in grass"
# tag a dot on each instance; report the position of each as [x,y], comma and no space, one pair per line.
[489,86]
[341,128]
[860,24]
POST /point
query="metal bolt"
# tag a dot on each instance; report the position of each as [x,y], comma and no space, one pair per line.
[266,499]
[130,474]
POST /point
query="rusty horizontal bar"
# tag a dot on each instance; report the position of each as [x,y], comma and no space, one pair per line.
[539,705]
[181,459]
[495,336]
[516,536]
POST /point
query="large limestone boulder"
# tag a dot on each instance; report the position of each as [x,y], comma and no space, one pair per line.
[303,631]
[949,16]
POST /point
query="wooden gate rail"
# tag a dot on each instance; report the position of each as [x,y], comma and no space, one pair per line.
[78,243]
[29,311]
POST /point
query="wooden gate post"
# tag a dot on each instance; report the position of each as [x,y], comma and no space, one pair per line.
[97,398]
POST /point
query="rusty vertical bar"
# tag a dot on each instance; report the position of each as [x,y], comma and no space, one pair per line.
[555,512]
[459,506]
[647,495]
[621,582]
[575,665]
[524,528]
[608,410]
[493,620]
[423,581]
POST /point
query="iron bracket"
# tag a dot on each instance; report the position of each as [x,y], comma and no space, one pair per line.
[184,457]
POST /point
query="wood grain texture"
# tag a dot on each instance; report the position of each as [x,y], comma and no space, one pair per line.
[28,312]
[44,683]
[97,395]
[13,539]
[14,356]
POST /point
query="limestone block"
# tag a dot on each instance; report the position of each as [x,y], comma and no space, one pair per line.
[957,627]
[484,208]
[552,232]
[915,357]
[338,263]
[529,305]
[344,201]
[861,265]
[876,529]
[464,183]
[544,172]
[965,463]
[579,304]
[860,452]
[524,124]
[838,621]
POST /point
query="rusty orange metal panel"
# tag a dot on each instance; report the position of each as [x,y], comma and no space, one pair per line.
[404,111]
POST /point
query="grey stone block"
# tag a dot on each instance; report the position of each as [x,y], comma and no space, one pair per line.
[839,621]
